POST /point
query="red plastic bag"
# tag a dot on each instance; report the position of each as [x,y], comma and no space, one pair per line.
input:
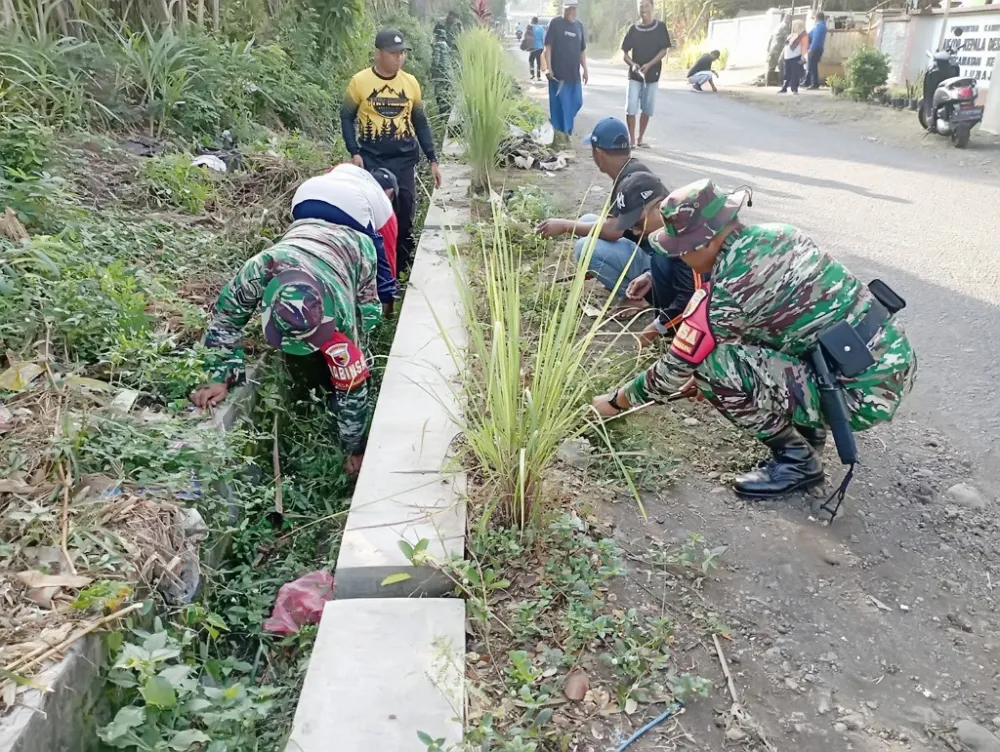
[300,602]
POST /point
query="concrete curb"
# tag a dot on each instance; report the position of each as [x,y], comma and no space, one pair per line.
[405,490]
[388,666]
[381,671]
[62,719]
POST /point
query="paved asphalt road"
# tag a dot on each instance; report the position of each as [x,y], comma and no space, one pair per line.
[929,229]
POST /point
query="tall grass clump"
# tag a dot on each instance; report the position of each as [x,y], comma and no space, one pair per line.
[485,98]
[694,47]
[526,391]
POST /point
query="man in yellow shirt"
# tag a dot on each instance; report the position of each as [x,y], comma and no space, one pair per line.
[384,125]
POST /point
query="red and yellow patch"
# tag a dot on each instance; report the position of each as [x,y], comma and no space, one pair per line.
[348,368]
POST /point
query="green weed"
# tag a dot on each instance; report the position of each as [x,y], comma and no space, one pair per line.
[171,180]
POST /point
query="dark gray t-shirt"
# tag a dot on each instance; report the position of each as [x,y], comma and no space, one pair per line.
[567,41]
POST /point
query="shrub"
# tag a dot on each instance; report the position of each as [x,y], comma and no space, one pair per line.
[867,69]
[25,145]
[171,180]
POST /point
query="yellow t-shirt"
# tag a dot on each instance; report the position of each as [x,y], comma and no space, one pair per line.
[385,108]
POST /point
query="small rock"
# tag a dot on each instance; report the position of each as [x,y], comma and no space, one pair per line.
[575,452]
[966,495]
[825,703]
[792,685]
[996,721]
[961,622]
[692,422]
[736,735]
[840,728]
[976,738]
[853,721]
[576,686]
[832,559]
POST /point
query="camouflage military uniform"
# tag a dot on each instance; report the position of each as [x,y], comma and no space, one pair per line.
[318,294]
[441,71]
[772,292]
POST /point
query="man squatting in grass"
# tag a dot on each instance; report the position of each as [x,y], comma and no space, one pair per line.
[701,72]
[564,56]
[645,45]
[383,123]
[318,295]
[744,337]
[619,248]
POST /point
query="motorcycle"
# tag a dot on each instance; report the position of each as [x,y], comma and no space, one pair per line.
[948,106]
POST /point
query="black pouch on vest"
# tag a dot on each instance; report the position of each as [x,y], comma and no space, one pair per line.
[845,349]
[886,296]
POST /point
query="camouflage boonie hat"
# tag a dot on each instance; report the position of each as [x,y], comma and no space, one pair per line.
[297,314]
[692,216]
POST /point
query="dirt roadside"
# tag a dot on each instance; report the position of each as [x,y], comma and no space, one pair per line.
[875,123]
[879,632]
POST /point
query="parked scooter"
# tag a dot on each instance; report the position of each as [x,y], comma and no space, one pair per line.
[948,106]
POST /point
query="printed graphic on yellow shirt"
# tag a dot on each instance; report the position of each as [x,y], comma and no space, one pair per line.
[385,107]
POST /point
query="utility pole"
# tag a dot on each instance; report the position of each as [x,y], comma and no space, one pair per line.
[944,23]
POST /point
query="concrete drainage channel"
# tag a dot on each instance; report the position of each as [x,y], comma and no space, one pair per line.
[61,719]
[389,661]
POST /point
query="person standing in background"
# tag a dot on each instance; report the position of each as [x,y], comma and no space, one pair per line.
[535,34]
[383,123]
[795,48]
[645,45]
[564,58]
[441,71]
[817,39]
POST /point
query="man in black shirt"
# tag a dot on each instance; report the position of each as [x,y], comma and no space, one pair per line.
[701,72]
[645,45]
[615,249]
[564,58]
[669,283]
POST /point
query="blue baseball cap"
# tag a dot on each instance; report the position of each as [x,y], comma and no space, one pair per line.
[610,134]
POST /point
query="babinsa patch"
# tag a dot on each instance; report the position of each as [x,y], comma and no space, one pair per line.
[348,368]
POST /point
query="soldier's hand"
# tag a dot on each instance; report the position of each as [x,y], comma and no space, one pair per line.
[387,309]
[639,287]
[551,228]
[691,391]
[209,395]
[352,465]
[356,159]
[436,172]
[648,336]
[602,403]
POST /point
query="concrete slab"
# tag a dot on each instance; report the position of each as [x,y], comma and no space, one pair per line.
[381,671]
[61,719]
[408,488]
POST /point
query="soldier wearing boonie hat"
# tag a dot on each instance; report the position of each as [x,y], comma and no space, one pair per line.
[317,293]
[744,337]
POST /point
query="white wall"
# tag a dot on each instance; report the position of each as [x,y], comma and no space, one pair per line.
[981,43]
[745,37]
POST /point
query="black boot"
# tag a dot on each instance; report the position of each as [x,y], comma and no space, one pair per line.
[815,436]
[795,465]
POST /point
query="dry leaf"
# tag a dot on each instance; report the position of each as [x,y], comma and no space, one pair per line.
[6,419]
[576,685]
[32,578]
[631,706]
[42,597]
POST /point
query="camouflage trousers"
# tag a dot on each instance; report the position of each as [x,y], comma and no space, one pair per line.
[764,391]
